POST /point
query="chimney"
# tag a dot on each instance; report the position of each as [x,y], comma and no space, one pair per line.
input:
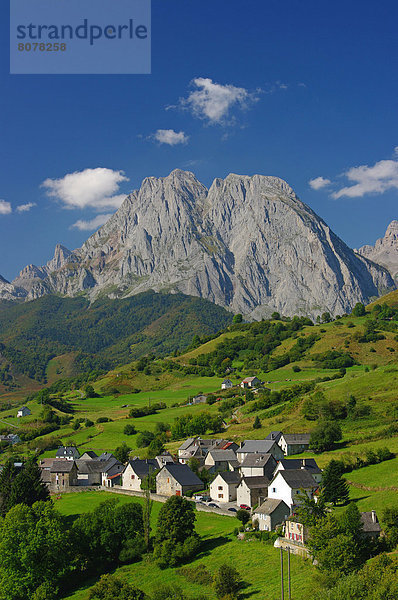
[374,517]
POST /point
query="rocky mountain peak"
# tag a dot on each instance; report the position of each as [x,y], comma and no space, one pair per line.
[248,244]
[385,250]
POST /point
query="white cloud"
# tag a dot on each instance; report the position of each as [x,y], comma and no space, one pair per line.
[92,224]
[319,182]
[91,188]
[170,137]
[5,207]
[396,150]
[382,176]
[25,207]
[212,101]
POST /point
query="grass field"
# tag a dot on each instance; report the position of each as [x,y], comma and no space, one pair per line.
[258,562]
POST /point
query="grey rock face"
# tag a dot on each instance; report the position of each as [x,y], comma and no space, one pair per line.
[247,243]
[9,292]
[385,250]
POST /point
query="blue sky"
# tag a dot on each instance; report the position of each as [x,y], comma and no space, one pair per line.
[301,90]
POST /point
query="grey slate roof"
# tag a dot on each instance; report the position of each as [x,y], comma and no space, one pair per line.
[143,467]
[183,474]
[300,463]
[297,438]
[259,446]
[298,478]
[67,452]
[257,460]
[91,454]
[185,445]
[274,435]
[62,466]
[369,524]
[219,455]
[230,476]
[270,505]
[106,456]
[256,482]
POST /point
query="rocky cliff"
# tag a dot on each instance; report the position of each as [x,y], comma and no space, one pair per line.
[10,292]
[247,243]
[385,250]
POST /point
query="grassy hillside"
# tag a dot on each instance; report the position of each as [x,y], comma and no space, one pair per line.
[55,337]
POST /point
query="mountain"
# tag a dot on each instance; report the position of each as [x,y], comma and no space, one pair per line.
[10,292]
[102,334]
[385,250]
[248,244]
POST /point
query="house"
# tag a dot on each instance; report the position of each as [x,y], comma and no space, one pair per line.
[225,445]
[164,459]
[45,465]
[270,513]
[294,443]
[295,531]
[63,475]
[258,465]
[274,435]
[197,448]
[89,455]
[250,382]
[111,473]
[105,456]
[308,464]
[288,484]
[177,480]
[371,525]
[10,439]
[223,487]
[221,460]
[24,411]
[68,452]
[137,471]
[252,490]
[199,399]
[259,447]
[226,384]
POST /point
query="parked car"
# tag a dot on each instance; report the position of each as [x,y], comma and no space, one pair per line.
[244,506]
[213,505]
[206,498]
[232,509]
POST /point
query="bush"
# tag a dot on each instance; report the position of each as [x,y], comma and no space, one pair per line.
[227,582]
[104,420]
[129,429]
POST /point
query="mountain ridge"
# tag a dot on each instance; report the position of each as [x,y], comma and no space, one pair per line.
[385,250]
[248,243]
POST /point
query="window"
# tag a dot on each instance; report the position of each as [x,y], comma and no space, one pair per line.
[274,490]
[168,480]
[133,477]
[220,487]
[221,495]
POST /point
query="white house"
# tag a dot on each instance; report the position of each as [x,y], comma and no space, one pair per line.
[294,443]
[223,487]
[226,384]
[250,382]
[287,485]
[259,447]
[308,464]
[68,452]
[136,472]
[24,411]
[270,514]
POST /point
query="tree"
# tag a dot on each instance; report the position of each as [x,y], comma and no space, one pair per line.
[324,436]
[334,486]
[227,582]
[310,510]
[129,429]
[257,423]
[275,316]
[89,391]
[238,318]
[122,452]
[34,550]
[176,539]
[359,310]
[243,516]
[144,438]
[110,587]
[155,448]
[21,486]
[326,318]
